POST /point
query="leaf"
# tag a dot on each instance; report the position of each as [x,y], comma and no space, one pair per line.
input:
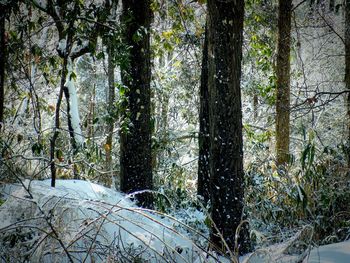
[304,155]
[208,222]
[168,46]
[37,148]
[100,55]
[302,196]
[167,34]
[73,76]
[107,147]
[51,107]
[311,156]
[52,61]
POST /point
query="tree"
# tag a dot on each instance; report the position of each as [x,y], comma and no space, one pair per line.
[111,50]
[2,62]
[283,82]
[225,29]
[110,124]
[73,43]
[347,66]
[135,141]
[203,137]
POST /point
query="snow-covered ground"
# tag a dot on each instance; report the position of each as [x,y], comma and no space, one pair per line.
[79,221]
[333,253]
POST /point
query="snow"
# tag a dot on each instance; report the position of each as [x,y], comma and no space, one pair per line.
[40,3]
[77,48]
[333,253]
[62,44]
[74,105]
[43,40]
[93,222]
[97,224]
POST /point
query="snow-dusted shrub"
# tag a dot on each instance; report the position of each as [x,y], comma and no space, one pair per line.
[313,190]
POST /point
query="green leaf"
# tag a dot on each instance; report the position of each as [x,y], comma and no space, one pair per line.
[73,76]
[52,61]
[168,46]
[37,148]
[100,55]
[302,196]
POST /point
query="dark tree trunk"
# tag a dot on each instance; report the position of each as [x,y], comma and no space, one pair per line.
[255,105]
[283,82]
[347,67]
[91,115]
[69,119]
[203,139]
[331,5]
[135,142]
[225,118]
[57,123]
[2,64]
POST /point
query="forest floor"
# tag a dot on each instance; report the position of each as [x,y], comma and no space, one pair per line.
[36,220]
[333,253]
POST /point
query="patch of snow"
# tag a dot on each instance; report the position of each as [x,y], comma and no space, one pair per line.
[74,105]
[41,3]
[43,38]
[298,249]
[62,45]
[76,48]
[333,253]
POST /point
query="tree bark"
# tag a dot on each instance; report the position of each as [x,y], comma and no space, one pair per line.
[225,118]
[204,139]
[135,142]
[283,82]
[57,123]
[91,115]
[2,64]
[69,119]
[110,125]
[347,67]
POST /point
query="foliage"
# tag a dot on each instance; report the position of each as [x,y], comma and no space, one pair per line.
[312,191]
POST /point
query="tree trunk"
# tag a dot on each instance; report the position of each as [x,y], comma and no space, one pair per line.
[225,119]
[57,123]
[69,119]
[255,105]
[2,64]
[110,125]
[203,139]
[135,141]
[283,82]
[91,115]
[347,67]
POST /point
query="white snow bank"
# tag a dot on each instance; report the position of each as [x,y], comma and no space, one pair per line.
[84,222]
[297,250]
[333,253]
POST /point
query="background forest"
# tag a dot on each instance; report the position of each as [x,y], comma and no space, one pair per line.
[144,96]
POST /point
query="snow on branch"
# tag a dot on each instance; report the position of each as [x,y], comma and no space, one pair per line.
[74,106]
[41,4]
